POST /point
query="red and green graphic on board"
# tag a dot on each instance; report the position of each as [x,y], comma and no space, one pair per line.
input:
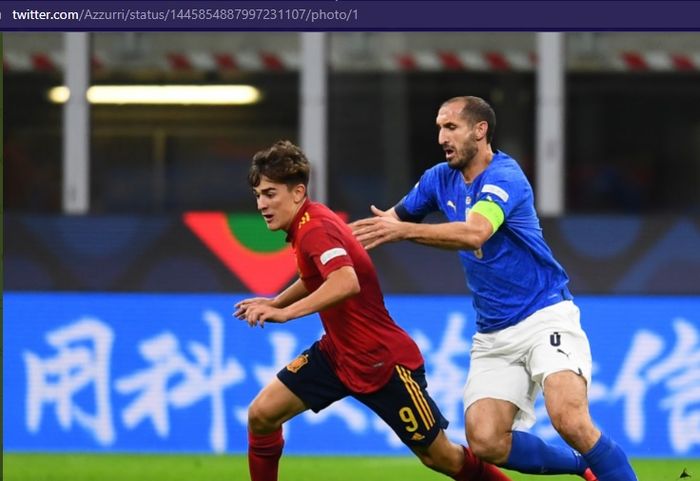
[261,259]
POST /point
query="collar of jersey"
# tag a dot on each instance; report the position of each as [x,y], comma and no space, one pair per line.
[294,227]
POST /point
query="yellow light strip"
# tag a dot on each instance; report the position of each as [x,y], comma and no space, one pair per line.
[163,94]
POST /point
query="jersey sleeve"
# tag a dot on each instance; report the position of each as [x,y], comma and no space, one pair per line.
[326,248]
[421,200]
[506,191]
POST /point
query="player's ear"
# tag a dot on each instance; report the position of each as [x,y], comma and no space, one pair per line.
[299,192]
[480,129]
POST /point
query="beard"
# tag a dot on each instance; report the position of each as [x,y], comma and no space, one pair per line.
[469,150]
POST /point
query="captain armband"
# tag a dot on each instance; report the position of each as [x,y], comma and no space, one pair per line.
[492,212]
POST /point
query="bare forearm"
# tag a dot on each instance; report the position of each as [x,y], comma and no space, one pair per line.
[466,235]
[290,295]
[451,235]
[339,286]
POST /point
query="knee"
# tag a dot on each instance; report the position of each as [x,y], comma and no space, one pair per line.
[429,461]
[259,419]
[573,428]
[569,418]
[446,458]
[488,444]
[565,424]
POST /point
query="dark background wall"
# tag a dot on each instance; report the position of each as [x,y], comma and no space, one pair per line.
[602,255]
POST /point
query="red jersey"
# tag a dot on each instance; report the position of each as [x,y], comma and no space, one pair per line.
[362,342]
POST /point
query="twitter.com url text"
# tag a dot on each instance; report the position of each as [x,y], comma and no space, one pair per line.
[180,15]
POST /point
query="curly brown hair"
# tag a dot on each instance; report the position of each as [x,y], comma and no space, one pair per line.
[283,163]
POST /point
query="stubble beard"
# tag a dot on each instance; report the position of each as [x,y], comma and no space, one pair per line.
[467,158]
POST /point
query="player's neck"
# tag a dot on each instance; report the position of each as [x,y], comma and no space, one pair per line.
[478,164]
[294,215]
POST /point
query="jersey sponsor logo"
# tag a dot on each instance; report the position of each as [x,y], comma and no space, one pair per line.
[451,204]
[332,254]
[495,190]
[301,361]
[417,437]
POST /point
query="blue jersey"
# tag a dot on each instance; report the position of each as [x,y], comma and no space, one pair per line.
[514,273]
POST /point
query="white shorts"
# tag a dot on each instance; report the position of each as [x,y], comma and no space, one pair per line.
[512,364]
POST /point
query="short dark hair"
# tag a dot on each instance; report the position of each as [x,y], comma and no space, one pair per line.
[476,110]
[283,163]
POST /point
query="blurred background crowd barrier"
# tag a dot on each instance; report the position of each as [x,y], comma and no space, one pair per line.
[130,230]
[630,101]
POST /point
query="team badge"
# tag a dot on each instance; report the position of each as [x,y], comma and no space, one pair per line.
[298,363]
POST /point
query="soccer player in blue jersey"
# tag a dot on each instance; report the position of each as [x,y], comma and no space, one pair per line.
[529,335]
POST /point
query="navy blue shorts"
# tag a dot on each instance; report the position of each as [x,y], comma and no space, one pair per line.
[403,403]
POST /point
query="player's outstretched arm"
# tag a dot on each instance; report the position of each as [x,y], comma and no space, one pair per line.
[468,235]
[389,213]
[288,296]
[340,285]
[367,230]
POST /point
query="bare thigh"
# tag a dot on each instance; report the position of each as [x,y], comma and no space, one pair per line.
[272,407]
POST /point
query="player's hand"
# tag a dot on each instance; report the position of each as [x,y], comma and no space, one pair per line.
[379,212]
[378,230]
[259,314]
[376,211]
[243,306]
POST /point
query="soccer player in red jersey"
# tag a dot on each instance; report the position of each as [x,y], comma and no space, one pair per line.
[363,353]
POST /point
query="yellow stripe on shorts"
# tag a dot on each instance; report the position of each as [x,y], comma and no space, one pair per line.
[416,394]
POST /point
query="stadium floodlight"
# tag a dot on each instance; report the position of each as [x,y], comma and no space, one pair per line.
[163,94]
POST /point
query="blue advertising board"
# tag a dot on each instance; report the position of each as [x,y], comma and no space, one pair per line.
[175,373]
